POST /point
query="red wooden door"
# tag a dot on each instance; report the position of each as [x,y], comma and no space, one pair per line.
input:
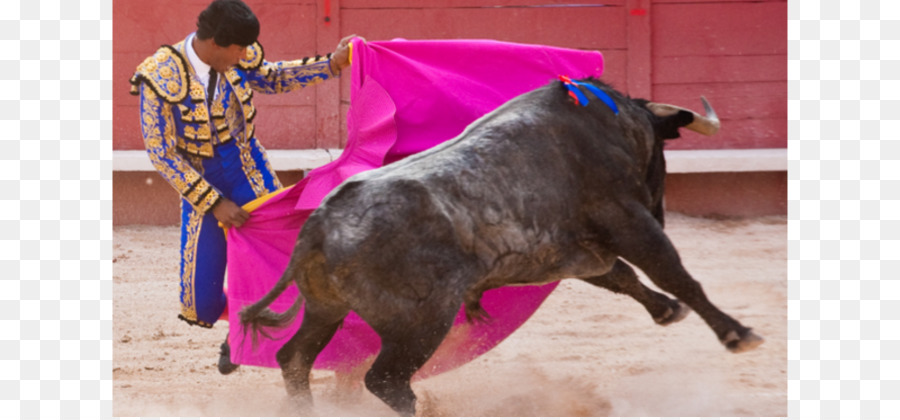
[588,25]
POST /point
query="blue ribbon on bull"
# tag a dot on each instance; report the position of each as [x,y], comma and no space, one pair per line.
[582,99]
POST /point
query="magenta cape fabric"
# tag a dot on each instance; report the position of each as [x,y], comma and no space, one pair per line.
[406,96]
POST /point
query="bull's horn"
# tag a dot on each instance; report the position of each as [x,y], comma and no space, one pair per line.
[707,125]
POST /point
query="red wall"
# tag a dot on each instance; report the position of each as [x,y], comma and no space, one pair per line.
[733,52]
[300,120]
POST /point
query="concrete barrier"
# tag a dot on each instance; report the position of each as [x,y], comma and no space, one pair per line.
[729,183]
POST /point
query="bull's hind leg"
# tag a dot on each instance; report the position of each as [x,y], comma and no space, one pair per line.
[296,357]
[404,350]
[643,243]
[622,279]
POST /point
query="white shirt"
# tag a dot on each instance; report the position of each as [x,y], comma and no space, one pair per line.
[199,66]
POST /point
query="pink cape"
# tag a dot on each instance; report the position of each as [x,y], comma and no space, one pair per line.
[406,96]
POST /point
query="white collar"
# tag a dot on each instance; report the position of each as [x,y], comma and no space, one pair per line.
[201,68]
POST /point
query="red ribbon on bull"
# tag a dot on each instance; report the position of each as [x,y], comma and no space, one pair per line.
[581,99]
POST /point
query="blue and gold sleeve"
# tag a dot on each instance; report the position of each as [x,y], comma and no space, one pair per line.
[158,128]
[284,76]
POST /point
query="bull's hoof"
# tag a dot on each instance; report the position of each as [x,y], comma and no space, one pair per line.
[477,314]
[674,315]
[738,344]
[225,366]
[297,407]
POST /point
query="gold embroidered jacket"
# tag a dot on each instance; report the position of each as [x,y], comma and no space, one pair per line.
[180,130]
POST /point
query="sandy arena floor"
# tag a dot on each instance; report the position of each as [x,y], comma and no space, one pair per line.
[585,352]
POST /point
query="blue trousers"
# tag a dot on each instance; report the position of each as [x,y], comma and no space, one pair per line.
[241,172]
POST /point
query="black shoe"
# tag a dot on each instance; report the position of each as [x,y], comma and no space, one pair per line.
[225,365]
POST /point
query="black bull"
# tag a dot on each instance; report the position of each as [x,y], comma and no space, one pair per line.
[538,190]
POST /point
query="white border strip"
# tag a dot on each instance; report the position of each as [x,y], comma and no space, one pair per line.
[677,161]
[742,160]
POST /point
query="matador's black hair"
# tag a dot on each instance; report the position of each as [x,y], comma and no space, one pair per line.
[228,22]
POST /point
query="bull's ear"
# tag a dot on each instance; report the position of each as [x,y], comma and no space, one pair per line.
[667,127]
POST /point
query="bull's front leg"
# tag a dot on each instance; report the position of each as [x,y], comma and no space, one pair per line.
[296,383]
[296,357]
[623,280]
[643,243]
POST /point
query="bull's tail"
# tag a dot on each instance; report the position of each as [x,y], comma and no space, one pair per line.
[258,318]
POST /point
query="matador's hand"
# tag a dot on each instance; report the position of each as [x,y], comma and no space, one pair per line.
[229,214]
[340,58]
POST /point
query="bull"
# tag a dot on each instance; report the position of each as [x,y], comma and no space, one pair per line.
[538,190]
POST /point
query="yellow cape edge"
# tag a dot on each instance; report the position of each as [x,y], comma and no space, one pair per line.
[253,205]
